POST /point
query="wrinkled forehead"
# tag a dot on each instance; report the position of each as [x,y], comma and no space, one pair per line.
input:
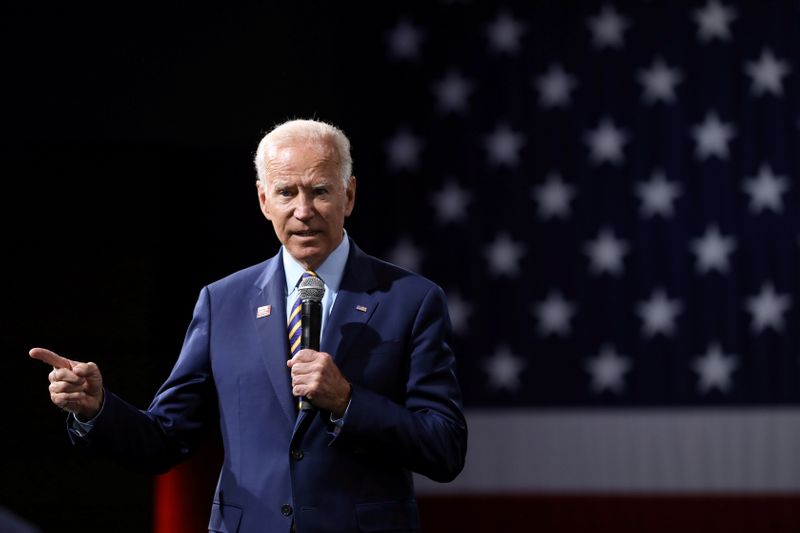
[284,147]
[298,156]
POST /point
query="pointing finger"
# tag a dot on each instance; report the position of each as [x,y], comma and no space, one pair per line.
[51,358]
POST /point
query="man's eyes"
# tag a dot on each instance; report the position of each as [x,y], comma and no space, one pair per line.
[288,193]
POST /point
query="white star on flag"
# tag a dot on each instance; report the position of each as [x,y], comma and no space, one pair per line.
[714,369]
[452,93]
[404,40]
[406,254]
[767,308]
[712,137]
[504,255]
[553,197]
[659,82]
[605,253]
[555,87]
[503,146]
[606,142]
[714,20]
[658,314]
[404,148]
[504,369]
[554,314]
[657,195]
[712,250]
[504,33]
[765,190]
[607,28]
[767,73]
[459,310]
[608,370]
[451,202]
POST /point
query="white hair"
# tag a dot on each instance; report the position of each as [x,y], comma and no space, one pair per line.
[306,131]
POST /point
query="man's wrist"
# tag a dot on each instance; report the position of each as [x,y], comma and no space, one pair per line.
[85,418]
[342,409]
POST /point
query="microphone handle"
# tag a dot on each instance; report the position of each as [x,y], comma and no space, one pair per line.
[311,324]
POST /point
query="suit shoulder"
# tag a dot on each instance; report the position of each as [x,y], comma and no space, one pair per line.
[246,277]
[394,274]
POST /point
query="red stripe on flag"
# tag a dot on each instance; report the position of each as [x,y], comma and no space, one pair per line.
[553,513]
[182,497]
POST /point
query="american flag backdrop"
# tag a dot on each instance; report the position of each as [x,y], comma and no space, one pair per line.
[608,194]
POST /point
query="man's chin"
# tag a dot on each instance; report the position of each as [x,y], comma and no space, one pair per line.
[308,255]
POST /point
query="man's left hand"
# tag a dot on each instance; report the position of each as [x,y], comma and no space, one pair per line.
[316,377]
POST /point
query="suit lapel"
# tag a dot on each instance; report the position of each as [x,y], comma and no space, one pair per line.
[301,423]
[274,350]
[353,308]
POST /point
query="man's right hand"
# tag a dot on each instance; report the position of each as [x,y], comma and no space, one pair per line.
[75,387]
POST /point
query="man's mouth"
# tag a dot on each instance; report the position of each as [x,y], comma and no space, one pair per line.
[307,233]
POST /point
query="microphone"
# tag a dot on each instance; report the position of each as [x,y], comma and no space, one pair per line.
[310,291]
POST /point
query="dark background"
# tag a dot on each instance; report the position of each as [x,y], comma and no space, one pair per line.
[127,141]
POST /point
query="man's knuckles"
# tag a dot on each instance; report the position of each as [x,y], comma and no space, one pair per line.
[85,369]
[60,386]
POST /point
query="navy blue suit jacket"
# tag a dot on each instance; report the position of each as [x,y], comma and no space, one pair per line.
[388,332]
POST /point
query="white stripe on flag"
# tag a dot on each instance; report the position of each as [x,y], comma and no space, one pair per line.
[652,450]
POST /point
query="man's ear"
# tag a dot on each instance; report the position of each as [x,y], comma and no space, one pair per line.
[351,196]
[262,199]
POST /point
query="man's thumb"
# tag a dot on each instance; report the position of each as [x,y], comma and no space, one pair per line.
[85,370]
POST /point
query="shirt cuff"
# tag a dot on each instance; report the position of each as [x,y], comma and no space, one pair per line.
[339,422]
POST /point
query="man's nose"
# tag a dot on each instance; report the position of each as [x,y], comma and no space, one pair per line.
[304,209]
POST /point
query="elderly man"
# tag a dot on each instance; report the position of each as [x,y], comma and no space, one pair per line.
[385,398]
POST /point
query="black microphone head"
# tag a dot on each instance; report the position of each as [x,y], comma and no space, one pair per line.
[311,289]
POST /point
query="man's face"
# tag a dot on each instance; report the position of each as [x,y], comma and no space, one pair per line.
[306,201]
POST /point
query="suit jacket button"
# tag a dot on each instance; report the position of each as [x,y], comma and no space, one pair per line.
[286,509]
[297,454]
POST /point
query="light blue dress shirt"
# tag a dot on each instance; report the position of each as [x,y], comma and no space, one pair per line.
[330,272]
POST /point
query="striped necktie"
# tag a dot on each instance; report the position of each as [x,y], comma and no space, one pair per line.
[295,327]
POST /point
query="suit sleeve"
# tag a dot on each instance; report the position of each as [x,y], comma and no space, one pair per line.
[428,434]
[172,427]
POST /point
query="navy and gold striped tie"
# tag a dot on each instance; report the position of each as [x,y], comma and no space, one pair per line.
[295,327]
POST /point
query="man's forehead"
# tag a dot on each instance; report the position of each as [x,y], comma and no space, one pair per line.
[311,161]
[313,181]
[285,151]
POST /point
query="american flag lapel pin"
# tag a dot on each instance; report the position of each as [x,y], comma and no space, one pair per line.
[263,311]
[361,308]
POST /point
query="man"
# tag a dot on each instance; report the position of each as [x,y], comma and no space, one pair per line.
[383,383]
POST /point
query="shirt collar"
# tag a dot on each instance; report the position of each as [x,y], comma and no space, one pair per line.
[330,271]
